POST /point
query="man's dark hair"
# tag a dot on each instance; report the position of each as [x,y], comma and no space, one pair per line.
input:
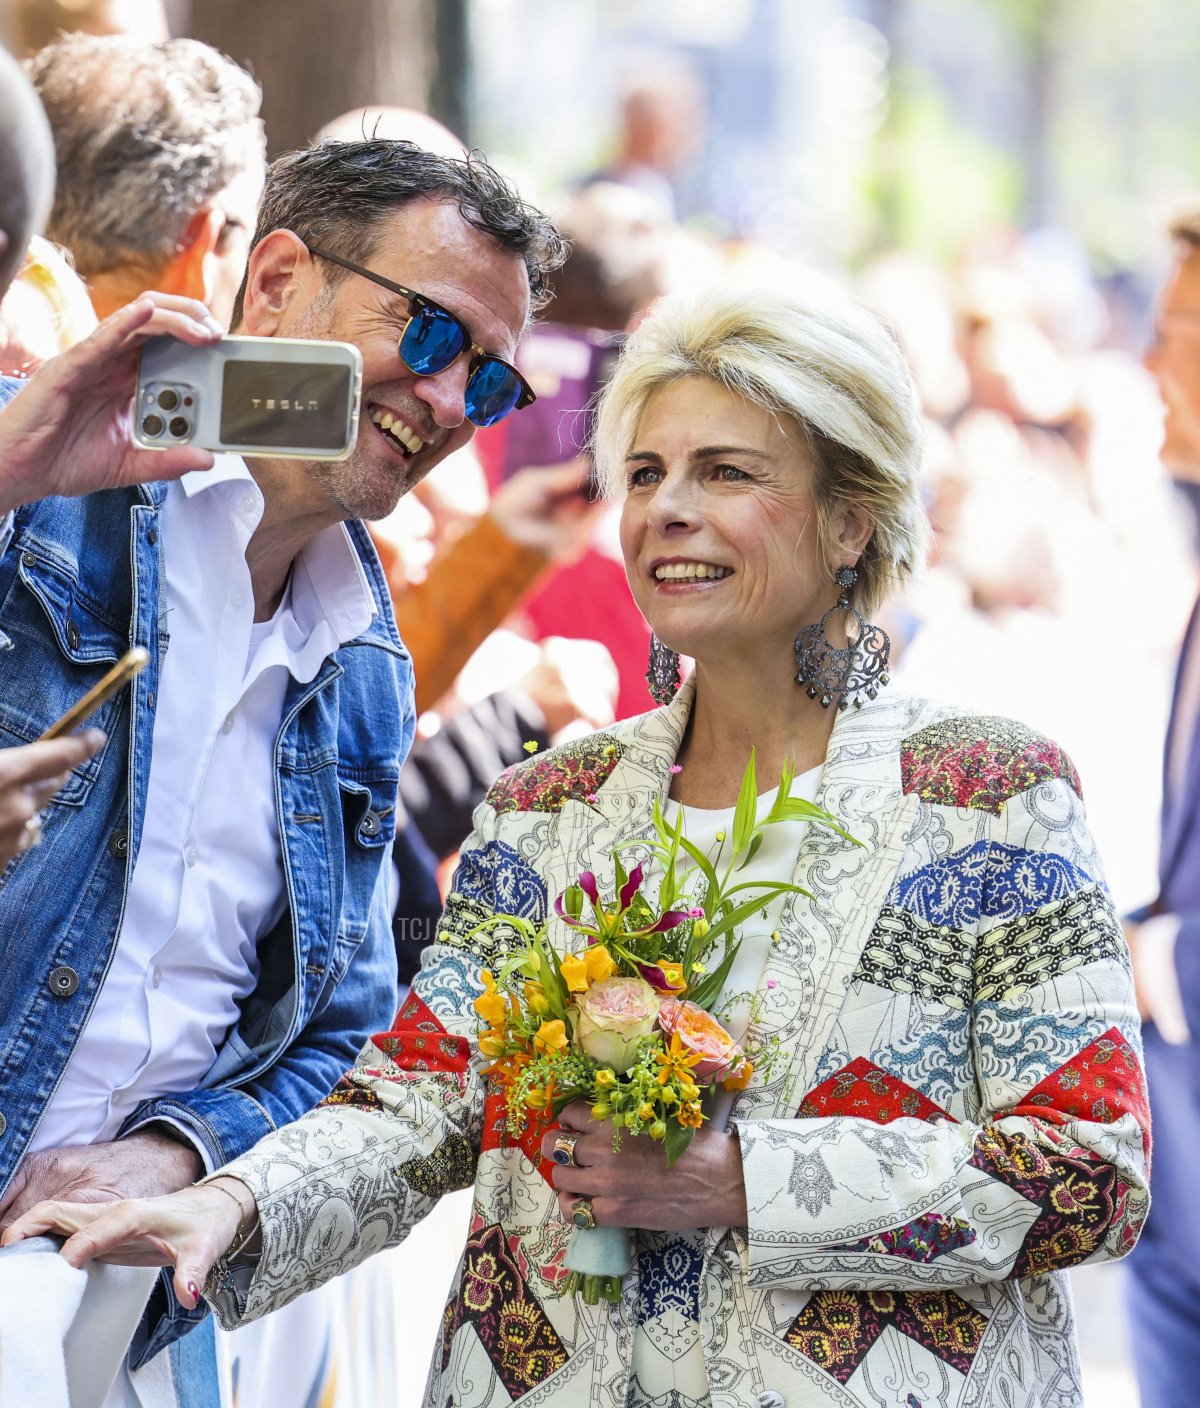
[337,194]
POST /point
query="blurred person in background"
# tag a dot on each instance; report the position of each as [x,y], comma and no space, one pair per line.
[45,311]
[161,158]
[36,23]
[1164,1285]
[238,825]
[660,131]
[29,775]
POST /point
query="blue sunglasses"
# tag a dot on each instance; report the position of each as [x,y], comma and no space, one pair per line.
[433,338]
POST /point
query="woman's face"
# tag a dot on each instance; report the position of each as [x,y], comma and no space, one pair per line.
[718,529]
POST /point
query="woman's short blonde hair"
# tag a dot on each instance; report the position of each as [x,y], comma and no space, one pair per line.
[829,365]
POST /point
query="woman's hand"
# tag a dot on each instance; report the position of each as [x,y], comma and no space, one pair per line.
[635,1188]
[188,1230]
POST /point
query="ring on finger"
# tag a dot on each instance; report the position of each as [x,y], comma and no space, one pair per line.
[31,834]
[582,1214]
[563,1151]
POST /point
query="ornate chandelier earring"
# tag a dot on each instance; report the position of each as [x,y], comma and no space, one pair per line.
[663,674]
[844,673]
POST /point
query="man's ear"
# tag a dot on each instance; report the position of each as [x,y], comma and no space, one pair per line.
[191,270]
[279,283]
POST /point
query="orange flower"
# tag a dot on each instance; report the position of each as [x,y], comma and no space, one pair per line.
[575,974]
[675,1061]
[741,1079]
[599,963]
[691,1116]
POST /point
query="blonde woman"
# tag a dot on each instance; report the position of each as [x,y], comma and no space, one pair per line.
[883,1217]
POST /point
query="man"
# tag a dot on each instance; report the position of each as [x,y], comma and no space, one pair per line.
[201,944]
[29,776]
[160,166]
[1164,1285]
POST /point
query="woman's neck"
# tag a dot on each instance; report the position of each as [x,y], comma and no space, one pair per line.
[732,714]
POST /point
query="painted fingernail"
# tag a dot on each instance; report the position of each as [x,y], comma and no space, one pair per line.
[193,1290]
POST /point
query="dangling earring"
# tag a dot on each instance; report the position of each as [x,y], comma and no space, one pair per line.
[663,674]
[831,672]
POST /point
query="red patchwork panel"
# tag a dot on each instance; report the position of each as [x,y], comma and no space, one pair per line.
[529,1141]
[870,1093]
[419,1042]
[1102,1083]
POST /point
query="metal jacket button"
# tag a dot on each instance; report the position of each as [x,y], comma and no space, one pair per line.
[3,1124]
[64,982]
[72,635]
[118,844]
[370,825]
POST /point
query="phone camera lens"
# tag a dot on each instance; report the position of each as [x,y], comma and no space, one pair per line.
[168,399]
[152,427]
[179,426]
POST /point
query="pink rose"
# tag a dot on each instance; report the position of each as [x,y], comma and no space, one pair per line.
[700,1033]
[612,1017]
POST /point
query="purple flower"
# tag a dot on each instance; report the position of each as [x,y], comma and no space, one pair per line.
[587,883]
[670,919]
[630,887]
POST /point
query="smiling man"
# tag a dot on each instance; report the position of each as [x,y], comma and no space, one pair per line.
[204,937]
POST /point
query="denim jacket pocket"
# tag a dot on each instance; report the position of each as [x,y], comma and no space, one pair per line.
[43,673]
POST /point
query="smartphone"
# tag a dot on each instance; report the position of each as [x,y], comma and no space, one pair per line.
[130,664]
[567,368]
[250,396]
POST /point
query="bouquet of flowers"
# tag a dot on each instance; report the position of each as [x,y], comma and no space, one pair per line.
[632,1022]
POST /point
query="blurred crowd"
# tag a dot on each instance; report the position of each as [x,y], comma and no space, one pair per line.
[1062,566]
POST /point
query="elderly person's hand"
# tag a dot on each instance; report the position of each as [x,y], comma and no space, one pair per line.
[188,1230]
[70,430]
[633,1187]
[29,776]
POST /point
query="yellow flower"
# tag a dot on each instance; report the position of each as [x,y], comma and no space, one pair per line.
[535,999]
[491,1044]
[532,746]
[575,974]
[673,972]
[742,1079]
[658,1130]
[646,1111]
[601,1110]
[551,1036]
[691,1116]
[720,835]
[675,1061]
[699,968]
[491,1007]
[599,963]
[700,927]
[688,1091]
[538,1099]
[606,1078]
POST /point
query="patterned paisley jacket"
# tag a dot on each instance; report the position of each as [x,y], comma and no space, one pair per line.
[958,1115]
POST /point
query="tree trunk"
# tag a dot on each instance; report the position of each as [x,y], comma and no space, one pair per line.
[316,59]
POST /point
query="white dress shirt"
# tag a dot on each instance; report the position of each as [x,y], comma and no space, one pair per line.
[208,879]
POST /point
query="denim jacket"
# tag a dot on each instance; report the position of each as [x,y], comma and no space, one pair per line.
[82,581]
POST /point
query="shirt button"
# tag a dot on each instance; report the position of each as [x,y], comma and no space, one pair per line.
[249,503]
[191,855]
[227,726]
[156,978]
[237,596]
[770,1398]
[64,982]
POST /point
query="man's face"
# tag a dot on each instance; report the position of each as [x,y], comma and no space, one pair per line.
[1174,361]
[428,247]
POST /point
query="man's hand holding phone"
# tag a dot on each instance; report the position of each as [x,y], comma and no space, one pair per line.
[29,777]
[71,429]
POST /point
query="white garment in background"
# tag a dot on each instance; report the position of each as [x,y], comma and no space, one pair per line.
[208,879]
[775,861]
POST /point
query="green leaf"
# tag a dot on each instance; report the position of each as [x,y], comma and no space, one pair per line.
[677,1139]
[751,850]
[706,992]
[747,805]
